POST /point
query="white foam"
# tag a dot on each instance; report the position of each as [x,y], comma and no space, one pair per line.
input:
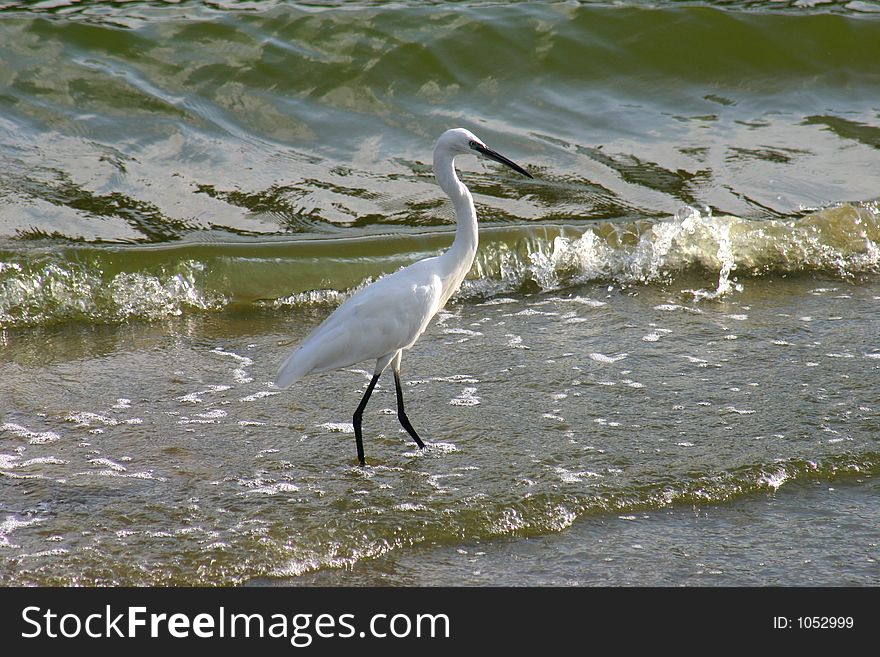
[586,301]
[461,331]
[672,307]
[774,480]
[570,477]
[87,419]
[214,414]
[196,397]
[337,427]
[116,467]
[409,506]
[733,409]
[468,397]
[497,302]
[602,358]
[276,488]
[40,460]
[259,395]
[33,437]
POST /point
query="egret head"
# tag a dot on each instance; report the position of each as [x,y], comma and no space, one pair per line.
[459,141]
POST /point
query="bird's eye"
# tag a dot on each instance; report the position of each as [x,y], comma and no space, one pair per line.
[473,144]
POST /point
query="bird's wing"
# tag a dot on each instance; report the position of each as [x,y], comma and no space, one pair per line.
[383,318]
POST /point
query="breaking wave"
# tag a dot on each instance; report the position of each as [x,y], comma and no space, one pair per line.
[99,284]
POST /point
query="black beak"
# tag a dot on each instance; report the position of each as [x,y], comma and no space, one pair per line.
[488,152]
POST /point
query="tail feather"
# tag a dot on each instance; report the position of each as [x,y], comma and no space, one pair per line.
[291,370]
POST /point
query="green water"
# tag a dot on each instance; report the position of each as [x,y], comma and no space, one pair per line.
[662,368]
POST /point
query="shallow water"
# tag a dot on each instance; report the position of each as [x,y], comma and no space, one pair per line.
[802,535]
[662,369]
[167,441]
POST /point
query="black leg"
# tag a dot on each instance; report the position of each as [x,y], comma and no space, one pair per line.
[401,414]
[357,418]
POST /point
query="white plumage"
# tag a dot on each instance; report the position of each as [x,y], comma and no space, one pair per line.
[382,320]
[375,324]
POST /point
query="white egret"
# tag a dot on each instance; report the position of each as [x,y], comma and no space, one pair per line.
[385,318]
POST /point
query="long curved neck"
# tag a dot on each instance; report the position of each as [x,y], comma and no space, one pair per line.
[460,256]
